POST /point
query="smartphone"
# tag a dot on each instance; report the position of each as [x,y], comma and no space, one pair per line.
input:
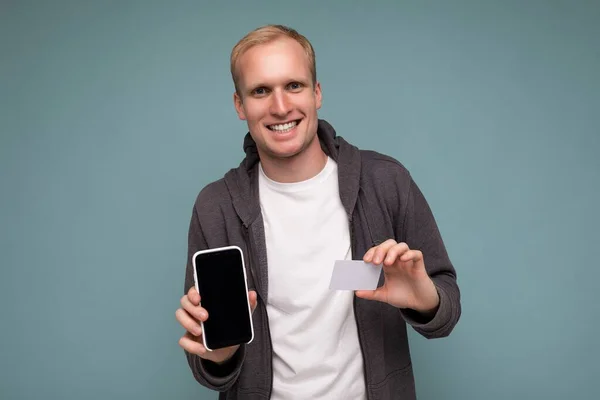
[220,278]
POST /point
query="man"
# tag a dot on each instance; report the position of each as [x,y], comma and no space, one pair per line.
[302,198]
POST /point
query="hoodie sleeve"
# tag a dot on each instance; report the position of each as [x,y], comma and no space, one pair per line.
[209,374]
[420,231]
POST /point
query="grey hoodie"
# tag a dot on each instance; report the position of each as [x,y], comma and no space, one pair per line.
[382,201]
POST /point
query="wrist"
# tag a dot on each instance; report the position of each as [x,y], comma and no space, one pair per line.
[430,302]
[227,356]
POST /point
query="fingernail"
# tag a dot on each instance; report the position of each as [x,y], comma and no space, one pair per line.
[202,314]
[197,331]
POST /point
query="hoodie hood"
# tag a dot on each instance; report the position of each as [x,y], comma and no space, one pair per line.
[242,182]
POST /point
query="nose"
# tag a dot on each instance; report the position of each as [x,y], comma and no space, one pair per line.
[280,105]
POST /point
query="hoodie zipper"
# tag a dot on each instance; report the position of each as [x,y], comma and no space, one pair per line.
[360,339]
[252,260]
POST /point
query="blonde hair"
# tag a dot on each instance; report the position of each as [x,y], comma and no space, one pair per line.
[267,34]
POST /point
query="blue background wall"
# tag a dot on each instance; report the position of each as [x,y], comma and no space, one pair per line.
[114,114]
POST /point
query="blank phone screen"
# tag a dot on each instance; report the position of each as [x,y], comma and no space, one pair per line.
[223,294]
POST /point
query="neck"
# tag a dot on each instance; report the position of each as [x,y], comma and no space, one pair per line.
[299,168]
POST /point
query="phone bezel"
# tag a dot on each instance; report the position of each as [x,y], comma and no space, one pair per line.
[219,249]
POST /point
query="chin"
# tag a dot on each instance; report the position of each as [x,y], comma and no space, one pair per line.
[286,153]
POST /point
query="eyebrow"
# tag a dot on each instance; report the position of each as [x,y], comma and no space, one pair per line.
[256,86]
[260,84]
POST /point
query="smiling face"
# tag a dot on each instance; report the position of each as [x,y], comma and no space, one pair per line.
[279,101]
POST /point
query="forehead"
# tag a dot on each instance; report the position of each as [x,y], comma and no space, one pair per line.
[273,62]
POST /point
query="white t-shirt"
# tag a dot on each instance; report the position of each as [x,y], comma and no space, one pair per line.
[316,353]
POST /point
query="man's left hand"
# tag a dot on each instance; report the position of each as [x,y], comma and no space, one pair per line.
[407,284]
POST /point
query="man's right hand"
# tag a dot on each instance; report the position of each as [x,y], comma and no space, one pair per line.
[189,316]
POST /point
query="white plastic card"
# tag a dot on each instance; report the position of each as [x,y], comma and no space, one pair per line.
[354,275]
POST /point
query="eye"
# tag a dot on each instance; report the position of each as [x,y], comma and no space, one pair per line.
[295,86]
[259,92]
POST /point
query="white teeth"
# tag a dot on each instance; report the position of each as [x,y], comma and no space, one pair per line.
[283,127]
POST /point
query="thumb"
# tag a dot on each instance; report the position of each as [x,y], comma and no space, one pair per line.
[370,294]
[253,299]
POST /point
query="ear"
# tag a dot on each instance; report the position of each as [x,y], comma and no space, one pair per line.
[239,106]
[318,95]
